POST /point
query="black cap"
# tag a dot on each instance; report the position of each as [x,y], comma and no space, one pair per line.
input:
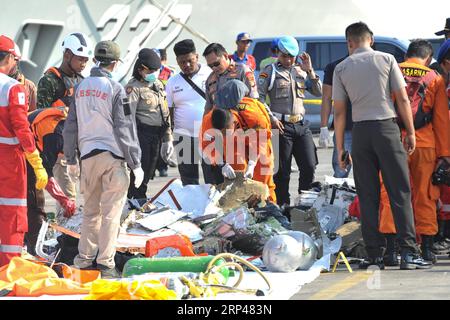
[149,58]
[184,47]
[446,28]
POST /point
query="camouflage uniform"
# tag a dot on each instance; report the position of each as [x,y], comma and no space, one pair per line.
[52,88]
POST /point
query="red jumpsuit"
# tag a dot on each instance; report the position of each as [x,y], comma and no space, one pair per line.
[15,138]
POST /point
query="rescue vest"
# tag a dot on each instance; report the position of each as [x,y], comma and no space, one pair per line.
[165,74]
[44,122]
[64,97]
[417,79]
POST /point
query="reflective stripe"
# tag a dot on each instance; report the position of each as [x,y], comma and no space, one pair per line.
[5,248]
[9,141]
[13,202]
[446,208]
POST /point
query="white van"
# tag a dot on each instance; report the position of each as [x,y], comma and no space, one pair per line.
[323,50]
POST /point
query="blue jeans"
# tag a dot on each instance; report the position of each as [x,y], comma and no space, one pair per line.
[338,172]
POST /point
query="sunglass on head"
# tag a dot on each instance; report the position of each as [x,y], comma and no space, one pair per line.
[214,65]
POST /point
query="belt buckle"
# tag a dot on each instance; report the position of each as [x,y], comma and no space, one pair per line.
[294,118]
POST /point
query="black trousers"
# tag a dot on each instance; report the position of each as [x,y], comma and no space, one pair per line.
[377,147]
[212,174]
[186,148]
[296,141]
[36,213]
[150,142]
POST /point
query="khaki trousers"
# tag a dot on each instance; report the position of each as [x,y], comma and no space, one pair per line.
[64,180]
[104,185]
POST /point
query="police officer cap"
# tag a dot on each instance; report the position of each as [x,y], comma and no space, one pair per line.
[231,94]
[184,47]
[149,58]
[288,45]
[443,51]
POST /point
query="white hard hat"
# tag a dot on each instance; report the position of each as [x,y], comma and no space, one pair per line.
[79,44]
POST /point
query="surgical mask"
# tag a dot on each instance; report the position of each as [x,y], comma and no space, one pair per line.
[152,77]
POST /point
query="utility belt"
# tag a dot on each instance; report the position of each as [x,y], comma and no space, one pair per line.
[291,118]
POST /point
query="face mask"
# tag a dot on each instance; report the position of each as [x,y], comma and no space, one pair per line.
[152,77]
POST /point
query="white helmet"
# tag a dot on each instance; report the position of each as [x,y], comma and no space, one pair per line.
[79,44]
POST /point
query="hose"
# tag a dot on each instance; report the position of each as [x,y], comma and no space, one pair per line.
[211,268]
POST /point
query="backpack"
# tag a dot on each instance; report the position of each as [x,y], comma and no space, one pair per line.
[417,81]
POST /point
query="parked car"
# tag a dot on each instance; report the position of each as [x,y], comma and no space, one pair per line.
[323,50]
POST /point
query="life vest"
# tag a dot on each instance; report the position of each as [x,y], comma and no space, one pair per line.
[417,79]
[44,122]
[165,74]
[66,96]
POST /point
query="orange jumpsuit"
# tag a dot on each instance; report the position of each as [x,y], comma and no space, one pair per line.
[250,114]
[432,142]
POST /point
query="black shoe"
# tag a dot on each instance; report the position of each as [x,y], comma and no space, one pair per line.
[378,261]
[411,261]
[163,173]
[391,259]
[427,249]
[441,247]
[108,273]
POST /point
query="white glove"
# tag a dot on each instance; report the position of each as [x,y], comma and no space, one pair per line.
[138,177]
[228,172]
[167,150]
[73,170]
[325,138]
[250,169]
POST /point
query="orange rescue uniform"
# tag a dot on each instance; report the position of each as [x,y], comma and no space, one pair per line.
[432,142]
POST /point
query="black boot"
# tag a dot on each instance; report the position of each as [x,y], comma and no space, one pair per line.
[427,249]
[391,254]
[378,261]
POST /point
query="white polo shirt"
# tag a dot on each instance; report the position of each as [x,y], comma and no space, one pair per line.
[187,103]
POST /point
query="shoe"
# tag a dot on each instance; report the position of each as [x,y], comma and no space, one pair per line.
[163,173]
[412,261]
[108,273]
[378,261]
[427,249]
[441,247]
[391,259]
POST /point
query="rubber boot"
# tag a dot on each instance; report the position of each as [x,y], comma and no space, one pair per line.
[427,249]
[391,254]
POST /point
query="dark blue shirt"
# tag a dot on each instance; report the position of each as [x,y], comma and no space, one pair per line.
[328,80]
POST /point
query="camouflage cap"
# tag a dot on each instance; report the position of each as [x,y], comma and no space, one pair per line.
[107,50]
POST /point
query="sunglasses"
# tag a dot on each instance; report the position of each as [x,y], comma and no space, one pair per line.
[214,65]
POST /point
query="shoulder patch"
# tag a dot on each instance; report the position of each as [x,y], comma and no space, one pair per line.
[251,78]
[126,106]
[241,106]
[129,90]
[263,75]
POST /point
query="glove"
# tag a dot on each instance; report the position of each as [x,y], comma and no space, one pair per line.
[167,150]
[36,162]
[56,192]
[138,177]
[228,172]
[325,138]
[74,171]
[250,169]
